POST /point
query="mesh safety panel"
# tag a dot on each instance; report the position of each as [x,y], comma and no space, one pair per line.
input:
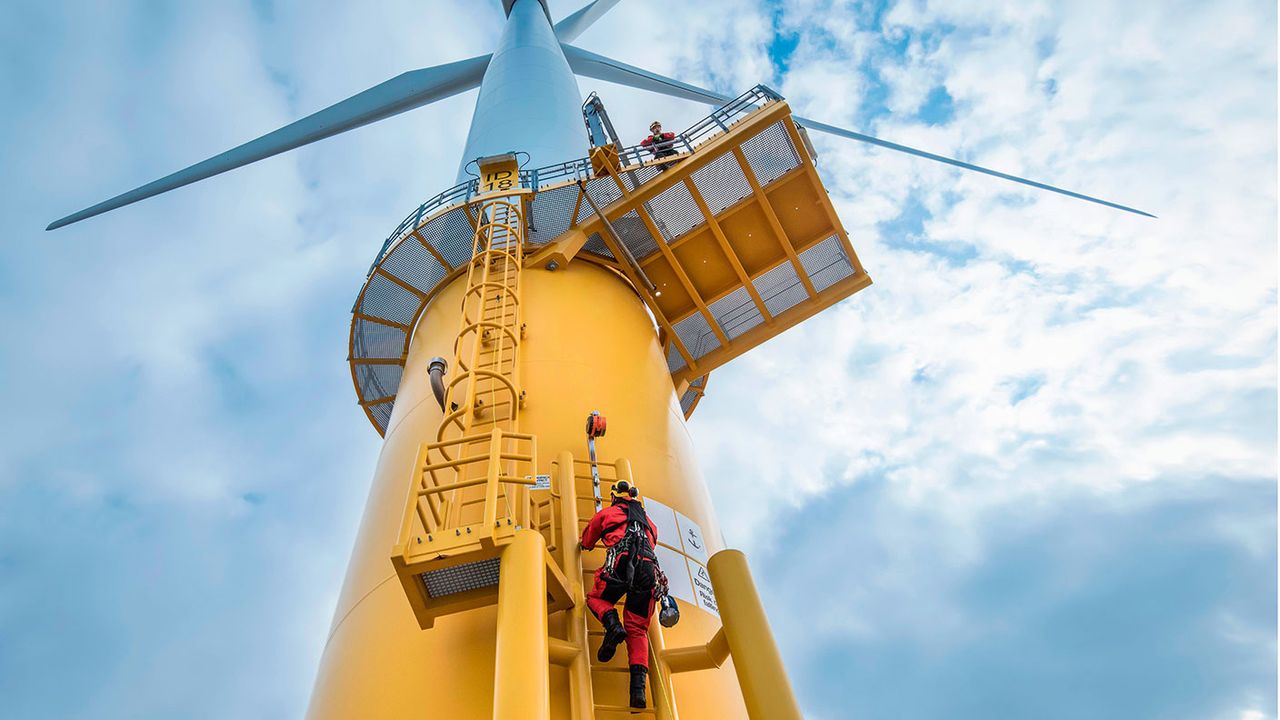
[721,183]
[414,264]
[451,234]
[674,211]
[375,340]
[826,263]
[383,298]
[675,361]
[687,400]
[604,191]
[378,381]
[552,212]
[461,578]
[696,335]
[639,176]
[736,313]
[382,414]
[690,397]
[780,288]
[635,235]
[595,244]
[770,153]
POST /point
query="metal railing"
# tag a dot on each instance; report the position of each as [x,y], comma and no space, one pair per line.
[505,468]
[719,121]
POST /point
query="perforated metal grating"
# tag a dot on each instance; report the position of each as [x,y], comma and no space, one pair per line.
[381,413]
[551,213]
[721,183]
[770,153]
[377,340]
[595,244]
[780,288]
[414,264]
[674,211]
[689,400]
[378,381]
[461,578]
[826,263]
[635,235]
[384,298]
[697,337]
[736,313]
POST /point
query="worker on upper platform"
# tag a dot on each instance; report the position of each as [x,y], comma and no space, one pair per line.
[661,144]
[631,569]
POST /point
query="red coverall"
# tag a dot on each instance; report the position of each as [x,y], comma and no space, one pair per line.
[660,144]
[607,527]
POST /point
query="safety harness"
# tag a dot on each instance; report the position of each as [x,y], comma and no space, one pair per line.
[634,544]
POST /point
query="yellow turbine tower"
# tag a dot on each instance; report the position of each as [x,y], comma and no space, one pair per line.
[564,274]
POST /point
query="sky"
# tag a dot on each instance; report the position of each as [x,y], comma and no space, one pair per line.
[1029,473]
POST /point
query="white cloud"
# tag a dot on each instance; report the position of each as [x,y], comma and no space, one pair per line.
[1145,349]
[1094,304]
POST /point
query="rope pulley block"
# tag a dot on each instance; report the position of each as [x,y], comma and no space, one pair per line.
[595,429]
[595,425]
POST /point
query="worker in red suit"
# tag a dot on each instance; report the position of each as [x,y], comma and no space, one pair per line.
[630,569]
[661,144]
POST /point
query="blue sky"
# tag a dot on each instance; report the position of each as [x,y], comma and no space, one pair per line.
[1031,472]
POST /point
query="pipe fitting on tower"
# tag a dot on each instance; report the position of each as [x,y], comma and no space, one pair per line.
[436,369]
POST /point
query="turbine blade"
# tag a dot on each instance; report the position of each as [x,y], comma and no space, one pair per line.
[841,132]
[610,70]
[568,29]
[404,92]
[600,67]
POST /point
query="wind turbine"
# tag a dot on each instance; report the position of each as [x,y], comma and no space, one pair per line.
[547,131]
[565,273]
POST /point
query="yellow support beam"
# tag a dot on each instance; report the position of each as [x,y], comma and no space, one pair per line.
[521,673]
[698,657]
[580,693]
[761,675]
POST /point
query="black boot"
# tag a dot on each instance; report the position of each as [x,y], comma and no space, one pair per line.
[638,675]
[613,634]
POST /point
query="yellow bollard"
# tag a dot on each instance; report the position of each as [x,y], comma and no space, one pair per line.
[763,680]
[521,674]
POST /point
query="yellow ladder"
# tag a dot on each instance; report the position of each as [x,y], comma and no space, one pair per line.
[484,392]
[590,682]
[470,489]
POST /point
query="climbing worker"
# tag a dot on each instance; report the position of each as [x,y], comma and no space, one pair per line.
[631,569]
[661,144]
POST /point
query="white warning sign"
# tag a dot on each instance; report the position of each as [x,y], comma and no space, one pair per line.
[695,546]
[540,482]
[682,553]
[678,580]
[664,518]
[706,595]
